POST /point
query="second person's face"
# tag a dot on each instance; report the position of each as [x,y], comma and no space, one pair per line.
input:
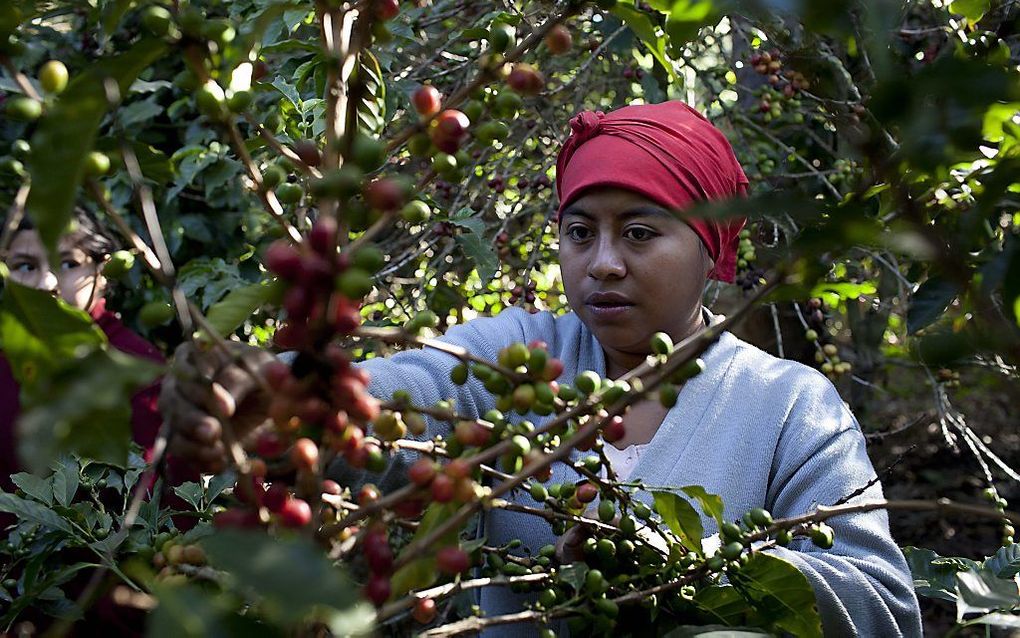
[76,278]
[630,269]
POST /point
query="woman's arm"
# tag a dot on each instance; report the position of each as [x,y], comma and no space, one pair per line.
[863,585]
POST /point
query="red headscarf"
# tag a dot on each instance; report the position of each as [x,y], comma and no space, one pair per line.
[667,152]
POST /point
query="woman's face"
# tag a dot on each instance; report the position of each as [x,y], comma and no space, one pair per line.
[76,278]
[631,269]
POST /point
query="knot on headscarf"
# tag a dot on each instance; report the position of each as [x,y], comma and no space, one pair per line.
[667,152]
[585,125]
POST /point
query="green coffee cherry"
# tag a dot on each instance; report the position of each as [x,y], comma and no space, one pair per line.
[822,535]
[662,343]
[459,374]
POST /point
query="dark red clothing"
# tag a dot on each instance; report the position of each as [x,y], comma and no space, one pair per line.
[145,417]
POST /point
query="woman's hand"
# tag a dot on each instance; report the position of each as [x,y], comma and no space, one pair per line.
[205,388]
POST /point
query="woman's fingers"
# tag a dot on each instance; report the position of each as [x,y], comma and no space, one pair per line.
[569,546]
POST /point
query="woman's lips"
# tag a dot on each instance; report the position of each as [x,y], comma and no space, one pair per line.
[609,311]
[608,305]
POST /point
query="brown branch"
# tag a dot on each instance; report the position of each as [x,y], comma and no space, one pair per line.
[20,79]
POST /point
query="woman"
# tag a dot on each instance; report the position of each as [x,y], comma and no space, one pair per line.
[79,281]
[758,431]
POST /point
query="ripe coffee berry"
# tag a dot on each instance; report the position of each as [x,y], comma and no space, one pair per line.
[305,454]
[426,100]
[586,492]
[377,590]
[442,488]
[295,513]
[275,498]
[452,560]
[424,610]
[614,430]
[422,472]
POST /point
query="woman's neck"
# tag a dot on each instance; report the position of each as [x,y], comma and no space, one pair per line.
[618,362]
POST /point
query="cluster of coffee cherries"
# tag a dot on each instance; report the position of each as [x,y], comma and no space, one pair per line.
[769,64]
[826,354]
[524,291]
[172,555]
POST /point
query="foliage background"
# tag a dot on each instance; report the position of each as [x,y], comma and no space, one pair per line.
[884,176]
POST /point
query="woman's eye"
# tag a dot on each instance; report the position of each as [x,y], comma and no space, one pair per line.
[69,264]
[639,234]
[578,233]
[23,267]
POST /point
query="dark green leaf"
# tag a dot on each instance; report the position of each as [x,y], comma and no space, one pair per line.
[77,410]
[715,631]
[681,517]
[481,252]
[780,593]
[191,611]
[191,493]
[38,331]
[33,512]
[38,488]
[929,302]
[980,591]
[721,604]
[574,574]
[65,480]
[418,574]
[227,315]
[1006,562]
[279,571]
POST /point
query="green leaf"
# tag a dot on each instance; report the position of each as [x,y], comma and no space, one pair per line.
[190,611]
[642,27]
[33,512]
[280,571]
[1006,562]
[227,315]
[833,292]
[721,603]
[65,480]
[191,493]
[574,574]
[217,484]
[67,134]
[77,410]
[418,574]
[780,593]
[973,10]
[681,517]
[981,591]
[929,301]
[711,504]
[38,488]
[715,631]
[39,331]
[481,252]
[686,18]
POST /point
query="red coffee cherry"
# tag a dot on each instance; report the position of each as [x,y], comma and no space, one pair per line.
[558,40]
[283,259]
[422,472]
[377,590]
[426,100]
[442,488]
[586,492]
[295,513]
[275,498]
[424,610]
[305,454]
[614,430]
[452,560]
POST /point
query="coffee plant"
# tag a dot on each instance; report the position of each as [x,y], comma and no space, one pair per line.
[339,181]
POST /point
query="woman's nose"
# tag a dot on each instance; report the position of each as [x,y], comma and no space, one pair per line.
[47,281]
[606,262]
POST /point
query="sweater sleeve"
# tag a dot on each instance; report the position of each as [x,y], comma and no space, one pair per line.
[862,584]
[425,374]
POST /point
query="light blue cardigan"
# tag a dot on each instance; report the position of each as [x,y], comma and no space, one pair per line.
[756,430]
